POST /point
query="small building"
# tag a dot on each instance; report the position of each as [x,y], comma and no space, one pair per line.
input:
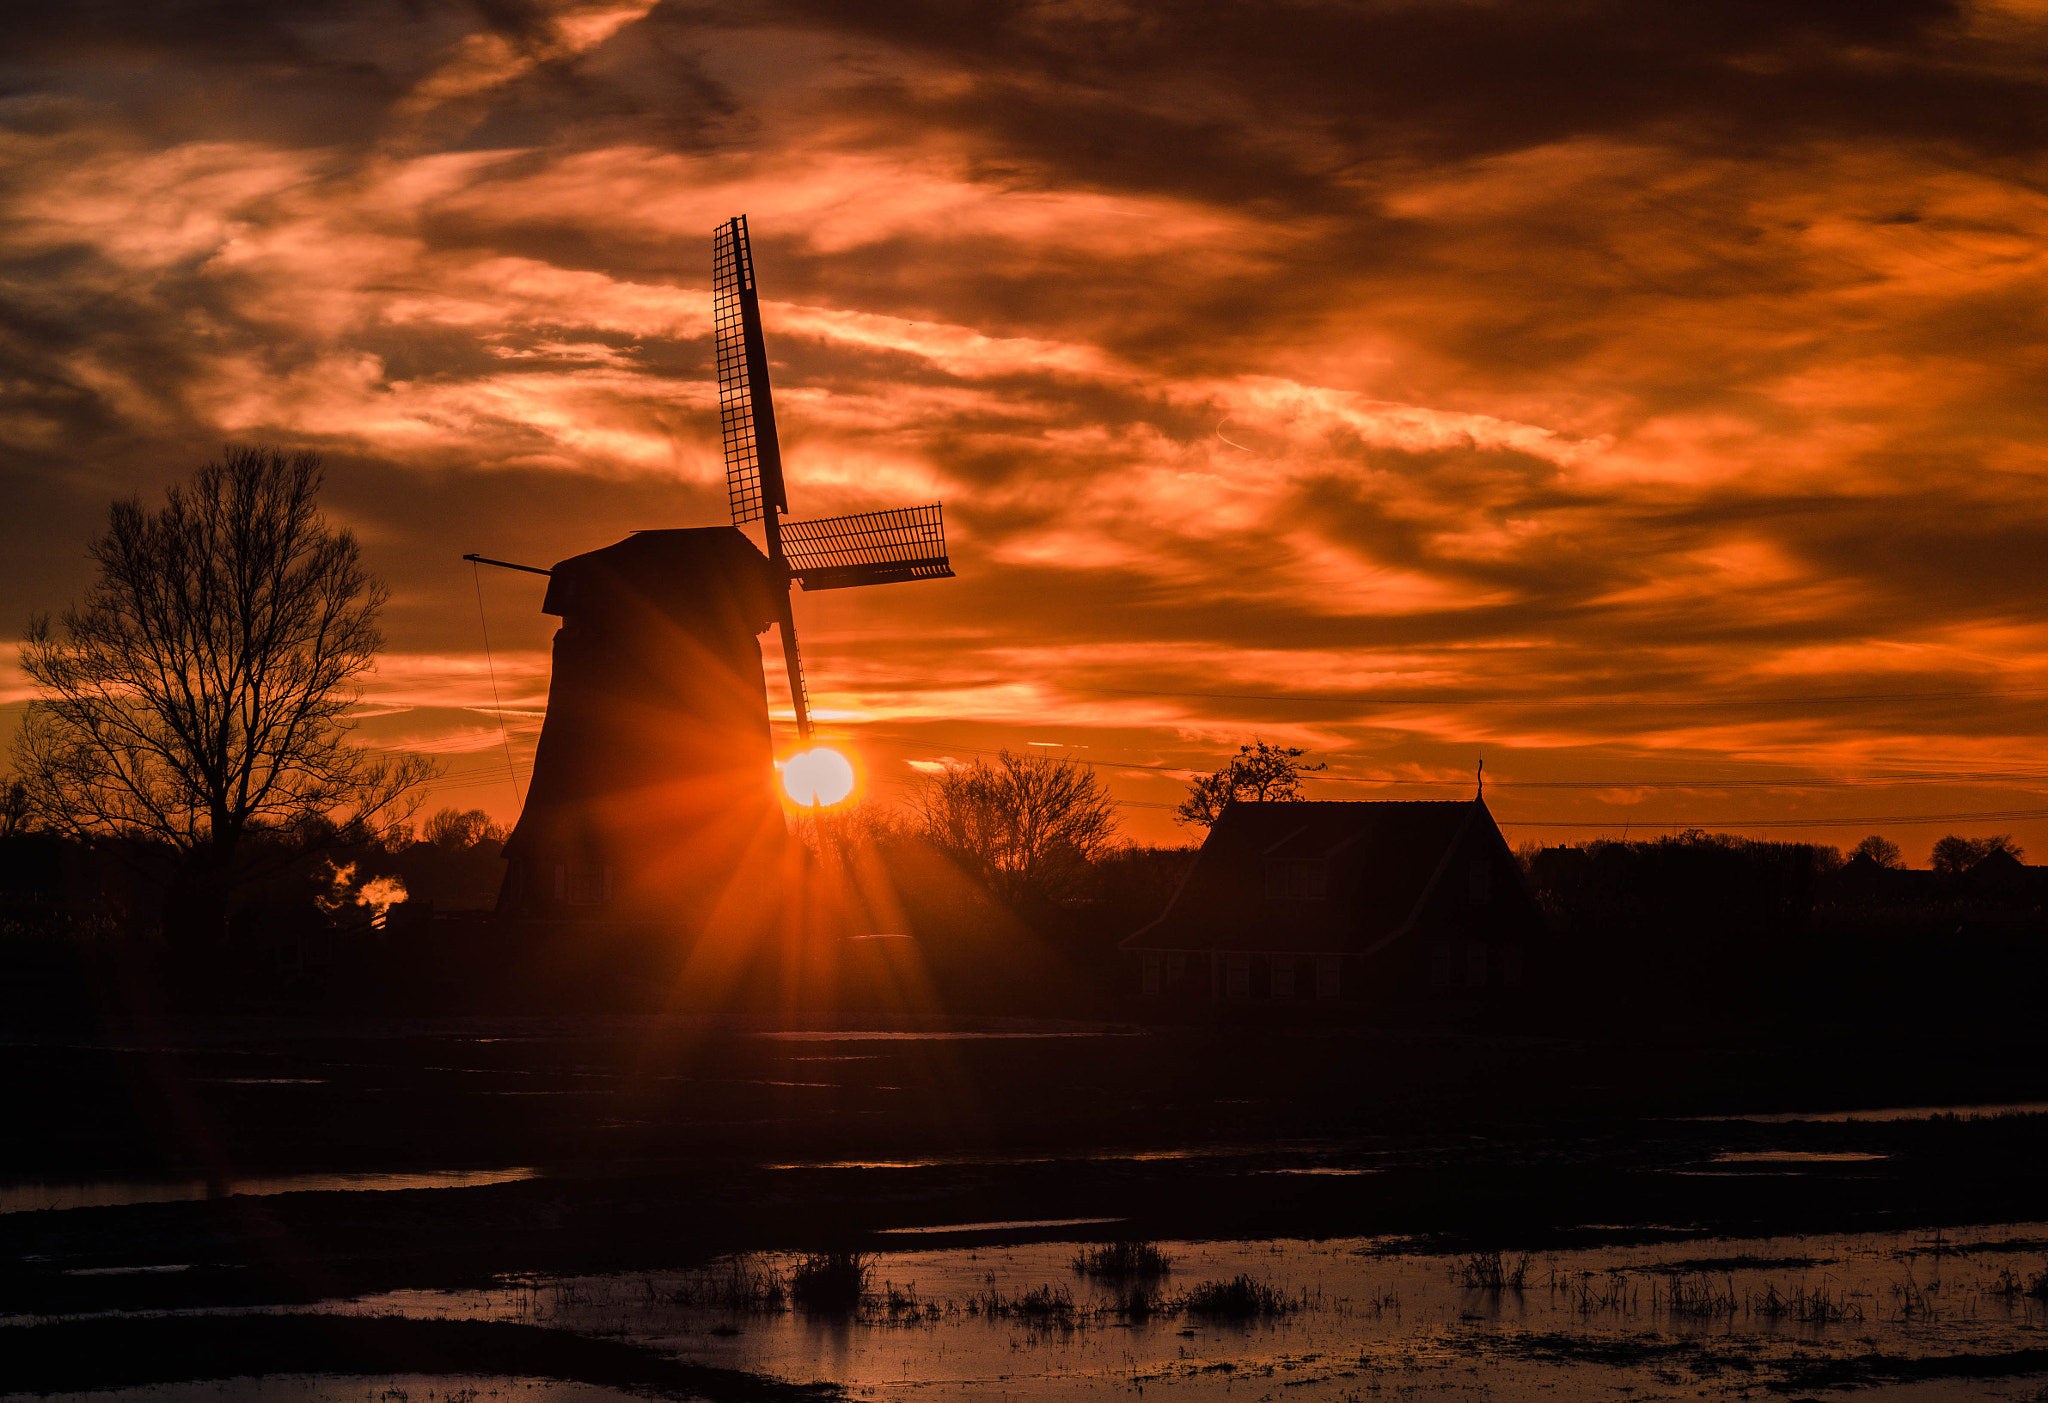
[1365,904]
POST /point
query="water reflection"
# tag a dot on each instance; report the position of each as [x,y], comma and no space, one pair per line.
[1024,1322]
[29,1196]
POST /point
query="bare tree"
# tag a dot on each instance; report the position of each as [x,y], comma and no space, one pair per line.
[1259,772]
[1028,824]
[1880,850]
[197,702]
[461,828]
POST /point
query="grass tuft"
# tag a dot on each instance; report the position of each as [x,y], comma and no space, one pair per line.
[1698,1298]
[830,1281]
[1240,1298]
[738,1283]
[1492,1271]
[1122,1261]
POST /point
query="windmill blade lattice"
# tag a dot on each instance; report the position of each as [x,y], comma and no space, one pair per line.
[746,407]
[873,548]
[840,552]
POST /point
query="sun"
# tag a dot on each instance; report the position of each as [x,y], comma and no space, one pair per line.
[818,777]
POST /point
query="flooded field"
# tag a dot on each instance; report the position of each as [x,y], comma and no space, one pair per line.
[1905,1316]
[346,1228]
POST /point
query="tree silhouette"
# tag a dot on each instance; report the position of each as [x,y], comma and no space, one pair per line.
[1258,772]
[196,704]
[1953,856]
[461,828]
[1028,825]
[1882,851]
[16,811]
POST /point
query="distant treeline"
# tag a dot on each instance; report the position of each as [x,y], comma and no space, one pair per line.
[1687,929]
[1713,926]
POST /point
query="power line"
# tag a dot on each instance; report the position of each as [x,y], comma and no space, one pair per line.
[1595,702]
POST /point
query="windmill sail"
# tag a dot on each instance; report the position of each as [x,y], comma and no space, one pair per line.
[873,548]
[746,420]
[746,408]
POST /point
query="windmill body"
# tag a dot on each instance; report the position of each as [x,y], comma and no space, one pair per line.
[653,794]
[653,785]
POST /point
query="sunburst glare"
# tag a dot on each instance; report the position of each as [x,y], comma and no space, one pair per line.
[817,777]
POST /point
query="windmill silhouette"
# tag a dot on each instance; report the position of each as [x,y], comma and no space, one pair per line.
[840,552]
[653,784]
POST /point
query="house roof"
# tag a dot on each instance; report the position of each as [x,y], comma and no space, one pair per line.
[1383,859]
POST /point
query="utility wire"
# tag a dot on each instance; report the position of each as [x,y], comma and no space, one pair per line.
[490,665]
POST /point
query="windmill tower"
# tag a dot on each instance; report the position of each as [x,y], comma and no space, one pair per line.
[653,794]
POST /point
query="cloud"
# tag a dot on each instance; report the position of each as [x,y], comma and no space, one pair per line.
[1586,383]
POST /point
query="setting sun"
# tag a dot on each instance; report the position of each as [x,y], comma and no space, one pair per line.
[820,775]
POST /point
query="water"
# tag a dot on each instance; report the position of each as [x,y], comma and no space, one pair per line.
[1888,1113]
[31,1195]
[366,1388]
[1362,1318]
[880,1035]
[1010,1226]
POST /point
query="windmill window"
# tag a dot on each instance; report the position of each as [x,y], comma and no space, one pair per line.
[1237,977]
[1329,976]
[1283,977]
[1297,880]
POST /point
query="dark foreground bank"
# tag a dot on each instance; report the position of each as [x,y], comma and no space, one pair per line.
[79,1355]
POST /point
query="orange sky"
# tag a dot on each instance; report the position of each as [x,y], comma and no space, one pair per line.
[1648,396]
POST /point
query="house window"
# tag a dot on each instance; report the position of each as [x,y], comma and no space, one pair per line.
[1237,977]
[1443,965]
[1148,977]
[1479,883]
[561,882]
[1283,976]
[1176,967]
[1329,976]
[1475,963]
[1295,880]
[1511,965]
[586,884]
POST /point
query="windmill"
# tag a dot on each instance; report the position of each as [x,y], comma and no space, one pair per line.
[652,783]
[840,552]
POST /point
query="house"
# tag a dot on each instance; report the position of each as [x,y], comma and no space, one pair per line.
[1367,904]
